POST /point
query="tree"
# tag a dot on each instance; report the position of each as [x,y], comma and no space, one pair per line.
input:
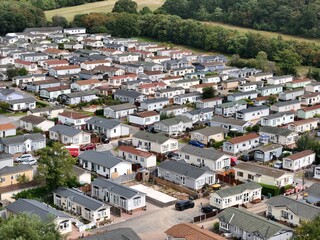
[288,60]
[308,230]
[55,166]
[59,21]
[4,106]
[272,99]
[145,10]
[309,142]
[127,6]
[208,92]
[13,72]
[23,178]
[29,226]
[255,128]
[126,25]
[262,60]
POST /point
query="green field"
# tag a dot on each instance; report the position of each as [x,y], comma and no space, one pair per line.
[103,6]
[265,33]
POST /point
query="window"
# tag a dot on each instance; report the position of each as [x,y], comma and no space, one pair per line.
[114,130]
[240,174]
[224,225]
[250,176]
[284,214]
[188,158]
[239,197]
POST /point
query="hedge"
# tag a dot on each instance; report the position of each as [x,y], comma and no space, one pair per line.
[269,189]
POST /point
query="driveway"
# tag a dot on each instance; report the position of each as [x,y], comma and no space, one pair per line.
[153,225]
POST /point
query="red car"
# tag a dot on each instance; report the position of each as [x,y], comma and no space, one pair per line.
[89,146]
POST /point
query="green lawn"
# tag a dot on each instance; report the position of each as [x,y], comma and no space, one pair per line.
[265,33]
[103,6]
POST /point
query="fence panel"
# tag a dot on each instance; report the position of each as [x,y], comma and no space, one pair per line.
[124,178]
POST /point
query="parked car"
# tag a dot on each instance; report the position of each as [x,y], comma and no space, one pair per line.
[24,157]
[184,204]
[208,209]
[89,146]
[196,143]
[172,154]
[278,165]
[30,162]
[105,140]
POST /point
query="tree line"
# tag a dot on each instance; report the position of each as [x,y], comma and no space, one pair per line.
[54,4]
[168,28]
[296,17]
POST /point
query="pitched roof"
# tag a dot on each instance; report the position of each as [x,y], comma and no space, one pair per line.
[181,167]
[278,115]
[103,159]
[304,121]
[152,137]
[174,121]
[15,169]
[34,120]
[58,88]
[189,231]
[301,209]
[87,82]
[243,138]
[79,197]
[103,122]
[123,106]
[66,67]
[314,190]
[299,155]
[65,130]
[131,94]
[5,156]
[260,169]
[116,188]
[79,94]
[116,234]
[147,114]
[35,207]
[208,153]
[230,121]
[208,131]
[135,151]
[155,100]
[276,130]
[22,138]
[286,103]
[306,109]
[269,147]
[251,223]
[73,115]
[7,126]
[235,190]
[253,109]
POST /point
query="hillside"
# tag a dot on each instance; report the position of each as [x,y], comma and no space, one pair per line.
[104,6]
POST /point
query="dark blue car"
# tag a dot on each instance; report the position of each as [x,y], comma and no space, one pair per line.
[196,143]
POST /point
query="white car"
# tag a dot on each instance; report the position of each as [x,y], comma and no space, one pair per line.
[30,162]
[24,157]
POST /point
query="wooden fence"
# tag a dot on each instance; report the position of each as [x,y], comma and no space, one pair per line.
[174,186]
[228,179]
[205,216]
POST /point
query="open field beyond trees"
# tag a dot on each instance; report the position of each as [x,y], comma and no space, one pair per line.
[103,6]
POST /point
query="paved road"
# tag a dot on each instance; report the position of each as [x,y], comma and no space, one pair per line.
[152,225]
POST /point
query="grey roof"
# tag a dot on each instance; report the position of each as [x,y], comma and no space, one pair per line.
[208,153]
[230,121]
[120,107]
[155,100]
[116,234]
[230,104]
[116,188]
[278,115]
[170,89]
[253,109]
[280,77]
[34,120]
[79,198]
[5,156]
[279,104]
[15,169]
[171,108]
[65,130]
[6,92]
[80,94]
[181,167]
[189,94]
[22,138]
[239,94]
[235,190]
[269,147]
[152,137]
[127,93]
[199,111]
[271,87]
[314,190]
[251,223]
[101,158]
[103,122]
[31,206]
[260,169]
[174,121]
[301,209]
[210,131]
[187,80]
[46,109]
[276,130]
[22,100]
